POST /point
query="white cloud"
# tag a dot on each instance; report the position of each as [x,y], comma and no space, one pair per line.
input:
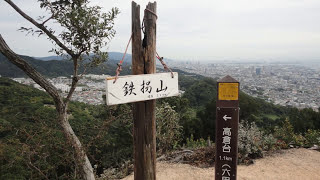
[205,29]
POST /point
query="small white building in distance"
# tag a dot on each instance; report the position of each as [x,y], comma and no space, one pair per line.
[62,87]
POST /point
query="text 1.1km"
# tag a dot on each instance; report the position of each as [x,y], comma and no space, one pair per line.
[225,158]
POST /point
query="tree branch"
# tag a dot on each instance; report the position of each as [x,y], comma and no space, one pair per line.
[75,79]
[36,168]
[84,71]
[47,20]
[30,71]
[40,26]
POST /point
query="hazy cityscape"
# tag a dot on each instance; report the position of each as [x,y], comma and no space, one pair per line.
[89,90]
[284,84]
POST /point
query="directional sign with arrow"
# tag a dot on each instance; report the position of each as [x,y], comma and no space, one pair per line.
[225,117]
[227,124]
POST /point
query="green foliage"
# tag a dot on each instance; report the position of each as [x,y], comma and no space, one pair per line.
[118,172]
[266,117]
[299,140]
[250,140]
[33,146]
[193,144]
[187,116]
[106,133]
[55,68]
[285,132]
[288,137]
[179,104]
[29,134]
[191,123]
[186,80]
[207,117]
[168,128]
[312,137]
[198,92]
[304,119]
[85,28]
[269,142]
[201,92]
[28,129]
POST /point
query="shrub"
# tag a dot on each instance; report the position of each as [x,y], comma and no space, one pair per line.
[299,140]
[193,144]
[269,142]
[168,128]
[312,137]
[250,140]
[287,135]
[281,144]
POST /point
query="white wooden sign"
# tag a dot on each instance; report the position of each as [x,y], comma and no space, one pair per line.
[141,87]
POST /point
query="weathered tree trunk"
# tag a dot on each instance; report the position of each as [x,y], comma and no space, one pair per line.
[81,158]
[143,62]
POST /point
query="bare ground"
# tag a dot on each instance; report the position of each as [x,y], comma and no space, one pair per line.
[293,164]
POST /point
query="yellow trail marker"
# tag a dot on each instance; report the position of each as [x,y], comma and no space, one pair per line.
[228,91]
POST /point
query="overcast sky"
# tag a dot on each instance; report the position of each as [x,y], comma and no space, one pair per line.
[199,30]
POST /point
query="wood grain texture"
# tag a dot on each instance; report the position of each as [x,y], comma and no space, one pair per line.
[143,62]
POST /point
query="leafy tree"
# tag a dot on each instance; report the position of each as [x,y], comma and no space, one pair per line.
[201,92]
[302,120]
[85,29]
[31,143]
[33,146]
[286,132]
[208,120]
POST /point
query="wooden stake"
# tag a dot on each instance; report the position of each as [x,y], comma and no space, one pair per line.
[227,124]
[143,62]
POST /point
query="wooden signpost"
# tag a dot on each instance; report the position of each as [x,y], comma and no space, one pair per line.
[143,87]
[227,122]
[144,120]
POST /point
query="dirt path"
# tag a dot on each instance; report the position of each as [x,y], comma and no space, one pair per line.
[293,164]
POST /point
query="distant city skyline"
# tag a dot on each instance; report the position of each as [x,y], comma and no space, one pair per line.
[203,31]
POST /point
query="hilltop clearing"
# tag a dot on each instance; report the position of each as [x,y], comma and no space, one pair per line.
[287,164]
[29,137]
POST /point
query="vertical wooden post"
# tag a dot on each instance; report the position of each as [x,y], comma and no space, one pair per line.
[143,62]
[227,123]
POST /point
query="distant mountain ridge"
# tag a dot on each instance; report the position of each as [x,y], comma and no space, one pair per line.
[54,68]
[57,66]
[49,58]
[117,56]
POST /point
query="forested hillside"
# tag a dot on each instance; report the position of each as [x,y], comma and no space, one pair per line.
[33,146]
[198,105]
[54,68]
